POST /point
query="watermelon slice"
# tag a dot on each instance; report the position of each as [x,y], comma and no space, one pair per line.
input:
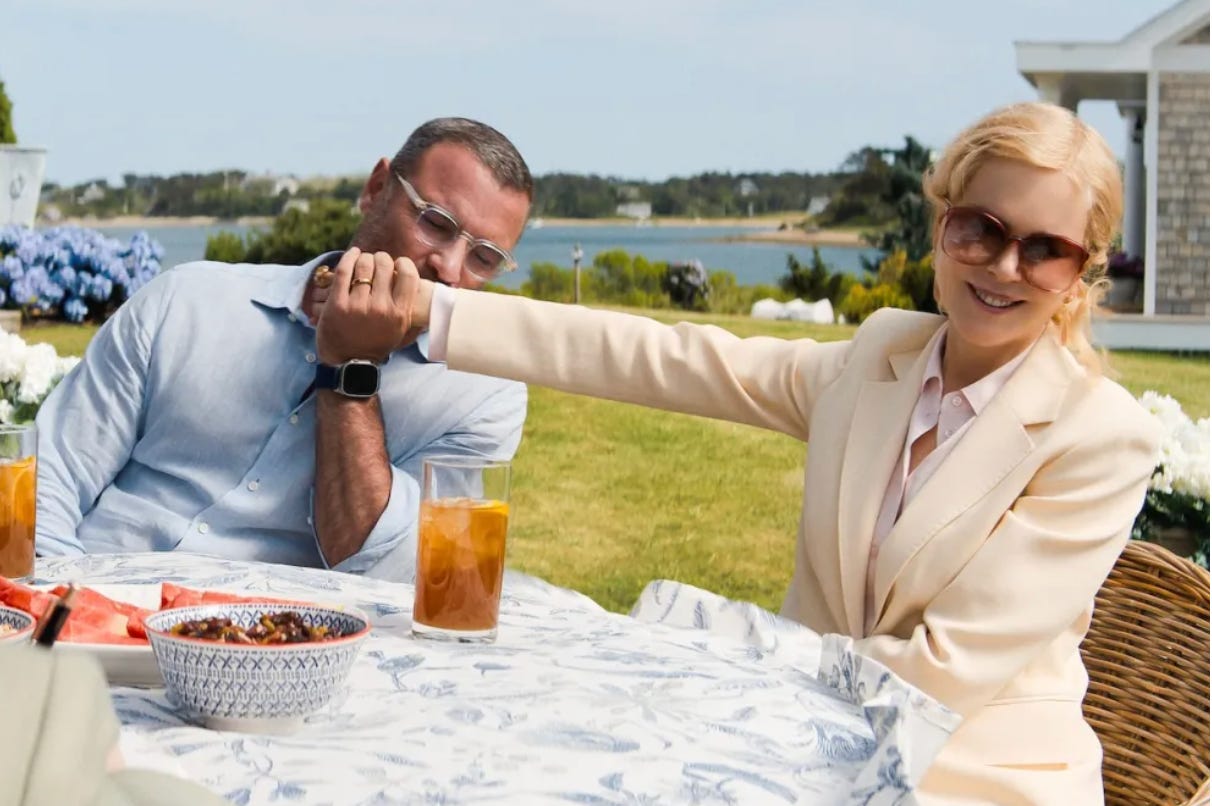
[176,596]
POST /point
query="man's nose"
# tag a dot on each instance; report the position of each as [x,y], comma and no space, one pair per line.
[447,262]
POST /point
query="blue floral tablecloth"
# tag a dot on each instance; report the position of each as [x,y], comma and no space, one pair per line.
[692,699]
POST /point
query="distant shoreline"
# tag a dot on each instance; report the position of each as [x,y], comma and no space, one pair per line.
[151,222]
[766,230]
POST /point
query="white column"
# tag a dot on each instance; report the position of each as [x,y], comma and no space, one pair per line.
[1134,180]
[1152,106]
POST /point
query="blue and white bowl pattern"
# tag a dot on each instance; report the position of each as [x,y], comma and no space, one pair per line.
[237,685]
[22,624]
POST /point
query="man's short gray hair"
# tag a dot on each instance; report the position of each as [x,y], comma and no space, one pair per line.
[490,147]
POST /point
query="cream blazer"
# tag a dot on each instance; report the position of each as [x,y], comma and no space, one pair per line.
[985,585]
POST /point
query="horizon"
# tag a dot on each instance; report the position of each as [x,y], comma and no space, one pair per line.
[621,90]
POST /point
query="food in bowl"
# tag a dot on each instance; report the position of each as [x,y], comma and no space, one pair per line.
[287,627]
[15,625]
[254,687]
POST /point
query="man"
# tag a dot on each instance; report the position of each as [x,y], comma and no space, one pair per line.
[209,415]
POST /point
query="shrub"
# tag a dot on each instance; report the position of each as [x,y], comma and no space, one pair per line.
[728,297]
[815,281]
[296,237]
[861,301]
[914,277]
[72,273]
[548,281]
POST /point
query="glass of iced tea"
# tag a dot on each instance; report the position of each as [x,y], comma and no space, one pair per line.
[461,547]
[18,486]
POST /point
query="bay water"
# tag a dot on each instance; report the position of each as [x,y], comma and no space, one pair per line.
[751,262]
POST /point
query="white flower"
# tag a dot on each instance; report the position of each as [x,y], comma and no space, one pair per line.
[40,365]
[1183,460]
[27,373]
[12,356]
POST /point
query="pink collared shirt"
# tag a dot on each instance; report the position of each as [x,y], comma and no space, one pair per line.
[952,413]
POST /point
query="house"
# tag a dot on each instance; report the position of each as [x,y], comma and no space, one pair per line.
[635,209]
[1158,76]
[93,193]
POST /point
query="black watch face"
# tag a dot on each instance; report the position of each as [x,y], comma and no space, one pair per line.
[360,380]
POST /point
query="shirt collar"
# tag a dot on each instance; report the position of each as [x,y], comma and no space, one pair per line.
[979,393]
[286,293]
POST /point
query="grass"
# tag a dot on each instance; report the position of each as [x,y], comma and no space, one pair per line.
[608,496]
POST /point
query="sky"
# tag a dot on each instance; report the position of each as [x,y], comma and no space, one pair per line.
[639,89]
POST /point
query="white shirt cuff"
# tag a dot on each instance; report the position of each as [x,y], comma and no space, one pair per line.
[441,308]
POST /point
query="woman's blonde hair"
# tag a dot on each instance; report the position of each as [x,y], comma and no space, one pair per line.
[1050,137]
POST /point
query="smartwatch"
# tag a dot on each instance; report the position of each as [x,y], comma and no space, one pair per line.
[356,378]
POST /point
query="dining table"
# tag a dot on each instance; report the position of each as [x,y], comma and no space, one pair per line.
[690,698]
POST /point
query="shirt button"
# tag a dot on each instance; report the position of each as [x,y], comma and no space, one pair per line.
[294,419]
[955,401]
[203,527]
[309,520]
[253,485]
[293,318]
[311,358]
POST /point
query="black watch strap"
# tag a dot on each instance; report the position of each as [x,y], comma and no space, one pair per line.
[327,377]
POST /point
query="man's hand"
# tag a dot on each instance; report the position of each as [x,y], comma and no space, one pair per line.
[368,310]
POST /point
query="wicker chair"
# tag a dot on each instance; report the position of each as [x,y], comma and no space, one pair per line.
[1147,655]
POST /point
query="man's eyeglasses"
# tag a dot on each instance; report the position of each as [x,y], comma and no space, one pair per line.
[975,237]
[439,228]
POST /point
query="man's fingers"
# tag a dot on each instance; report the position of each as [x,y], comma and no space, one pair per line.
[339,290]
[363,279]
[381,288]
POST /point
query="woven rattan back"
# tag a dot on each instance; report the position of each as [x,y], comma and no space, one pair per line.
[1147,655]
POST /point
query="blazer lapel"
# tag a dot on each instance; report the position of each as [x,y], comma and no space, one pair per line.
[995,443]
[873,446]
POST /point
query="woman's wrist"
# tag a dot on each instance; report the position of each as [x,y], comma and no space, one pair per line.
[422,303]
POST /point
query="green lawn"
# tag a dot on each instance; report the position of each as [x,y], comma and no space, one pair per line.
[609,496]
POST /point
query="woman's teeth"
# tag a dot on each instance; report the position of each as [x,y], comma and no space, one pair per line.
[992,301]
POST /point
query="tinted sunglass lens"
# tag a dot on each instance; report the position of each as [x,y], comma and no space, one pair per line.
[972,237]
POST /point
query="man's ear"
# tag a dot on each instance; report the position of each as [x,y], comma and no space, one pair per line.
[377,184]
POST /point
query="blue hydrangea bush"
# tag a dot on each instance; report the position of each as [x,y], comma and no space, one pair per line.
[72,273]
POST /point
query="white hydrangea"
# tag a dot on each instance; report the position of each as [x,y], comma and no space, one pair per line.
[12,356]
[41,363]
[1183,463]
[27,374]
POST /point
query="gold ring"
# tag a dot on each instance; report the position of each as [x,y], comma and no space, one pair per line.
[360,281]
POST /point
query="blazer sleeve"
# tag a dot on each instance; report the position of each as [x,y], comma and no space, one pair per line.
[694,369]
[1037,573]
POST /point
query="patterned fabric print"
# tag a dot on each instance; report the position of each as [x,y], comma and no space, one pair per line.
[572,704]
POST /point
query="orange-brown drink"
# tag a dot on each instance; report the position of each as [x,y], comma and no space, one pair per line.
[461,533]
[18,487]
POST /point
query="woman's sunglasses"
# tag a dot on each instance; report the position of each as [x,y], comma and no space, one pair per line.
[977,238]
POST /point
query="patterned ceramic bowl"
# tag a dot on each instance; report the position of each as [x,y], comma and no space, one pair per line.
[249,687]
[15,625]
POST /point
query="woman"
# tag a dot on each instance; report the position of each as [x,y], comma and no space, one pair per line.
[971,478]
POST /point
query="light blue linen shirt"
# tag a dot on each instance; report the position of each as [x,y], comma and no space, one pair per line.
[182,427]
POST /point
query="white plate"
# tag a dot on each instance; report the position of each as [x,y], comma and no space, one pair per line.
[124,664]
